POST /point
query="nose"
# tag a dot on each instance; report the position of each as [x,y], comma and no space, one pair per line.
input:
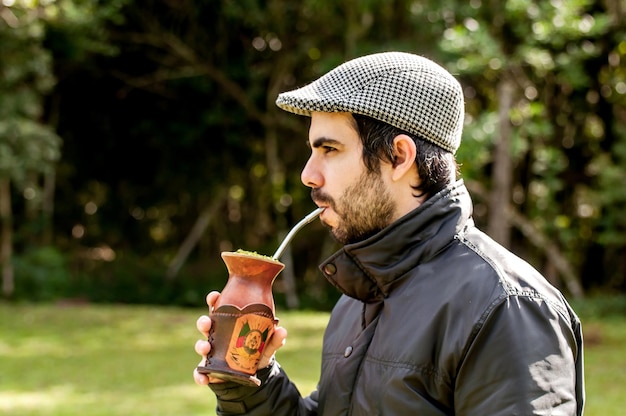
[311,175]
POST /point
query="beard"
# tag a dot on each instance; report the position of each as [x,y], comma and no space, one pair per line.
[364,208]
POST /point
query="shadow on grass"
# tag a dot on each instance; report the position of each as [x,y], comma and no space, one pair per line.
[99,360]
[120,360]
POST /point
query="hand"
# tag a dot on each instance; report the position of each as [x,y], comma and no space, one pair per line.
[203,347]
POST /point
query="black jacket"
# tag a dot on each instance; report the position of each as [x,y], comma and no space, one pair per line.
[436,319]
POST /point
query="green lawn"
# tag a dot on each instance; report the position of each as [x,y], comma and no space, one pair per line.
[126,360]
[120,360]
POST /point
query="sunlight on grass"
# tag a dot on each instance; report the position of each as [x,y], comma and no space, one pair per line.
[300,357]
[14,402]
[605,366]
[101,360]
[98,360]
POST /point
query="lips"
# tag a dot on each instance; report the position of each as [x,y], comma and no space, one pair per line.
[325,213]
[323,201]
[322,205]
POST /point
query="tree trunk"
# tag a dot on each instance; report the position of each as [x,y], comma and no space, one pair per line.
[6,238]
[203,221]
[277,180]
[552,252]
[498,225]
[288,278]
[47,206]
[556,259]
[276,171]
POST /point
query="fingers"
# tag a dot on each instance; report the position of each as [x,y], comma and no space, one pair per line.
[202,347]
[211,299]
[204,325]
[200,379]
[204,322]
[278,339]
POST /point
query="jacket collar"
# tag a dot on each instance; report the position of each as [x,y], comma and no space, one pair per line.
[368,269]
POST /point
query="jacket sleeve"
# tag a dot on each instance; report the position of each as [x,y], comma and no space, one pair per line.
[526,359]
[277,396]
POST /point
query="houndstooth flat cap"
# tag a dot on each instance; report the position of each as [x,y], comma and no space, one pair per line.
[408,91]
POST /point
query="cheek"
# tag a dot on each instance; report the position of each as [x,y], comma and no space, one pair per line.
[345,180]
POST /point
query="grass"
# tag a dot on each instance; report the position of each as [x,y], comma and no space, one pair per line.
[93,360]
[605,366]
[120,360]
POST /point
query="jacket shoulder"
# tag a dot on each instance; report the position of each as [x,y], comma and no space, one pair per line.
[514,275]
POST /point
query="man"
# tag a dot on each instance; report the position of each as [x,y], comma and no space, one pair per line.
[435,318]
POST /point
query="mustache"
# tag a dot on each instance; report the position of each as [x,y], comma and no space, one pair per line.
[320,197]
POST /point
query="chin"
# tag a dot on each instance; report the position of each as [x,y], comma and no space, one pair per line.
[328,222]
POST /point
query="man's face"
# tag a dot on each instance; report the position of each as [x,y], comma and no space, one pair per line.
[358,202]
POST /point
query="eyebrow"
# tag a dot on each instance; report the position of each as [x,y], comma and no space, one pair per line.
[321,141]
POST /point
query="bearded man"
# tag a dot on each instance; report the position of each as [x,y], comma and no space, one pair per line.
[436,318]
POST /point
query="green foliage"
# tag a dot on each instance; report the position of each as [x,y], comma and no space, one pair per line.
[41,274]
[26,144]
[45,274]
[133,279]
[78,29]
[475,152]
[475,47]
[552,51]
[161,105]
[612,176]
[601,305]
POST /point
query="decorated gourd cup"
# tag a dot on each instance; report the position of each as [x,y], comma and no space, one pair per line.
[243,318]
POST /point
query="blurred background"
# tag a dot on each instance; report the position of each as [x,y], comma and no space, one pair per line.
[139,139]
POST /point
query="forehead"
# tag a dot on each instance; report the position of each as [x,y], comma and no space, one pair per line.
[336,126]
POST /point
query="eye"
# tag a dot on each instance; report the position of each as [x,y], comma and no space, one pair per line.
[328,149]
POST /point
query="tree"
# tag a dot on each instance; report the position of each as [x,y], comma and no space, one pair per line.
[545,49]
[29,144]
[28,147]
[161,104]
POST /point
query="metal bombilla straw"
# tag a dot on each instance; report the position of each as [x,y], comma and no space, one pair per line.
[304,221]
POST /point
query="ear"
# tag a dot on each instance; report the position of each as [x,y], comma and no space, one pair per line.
[404,152]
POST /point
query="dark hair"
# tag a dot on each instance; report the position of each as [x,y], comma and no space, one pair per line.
[436,166]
